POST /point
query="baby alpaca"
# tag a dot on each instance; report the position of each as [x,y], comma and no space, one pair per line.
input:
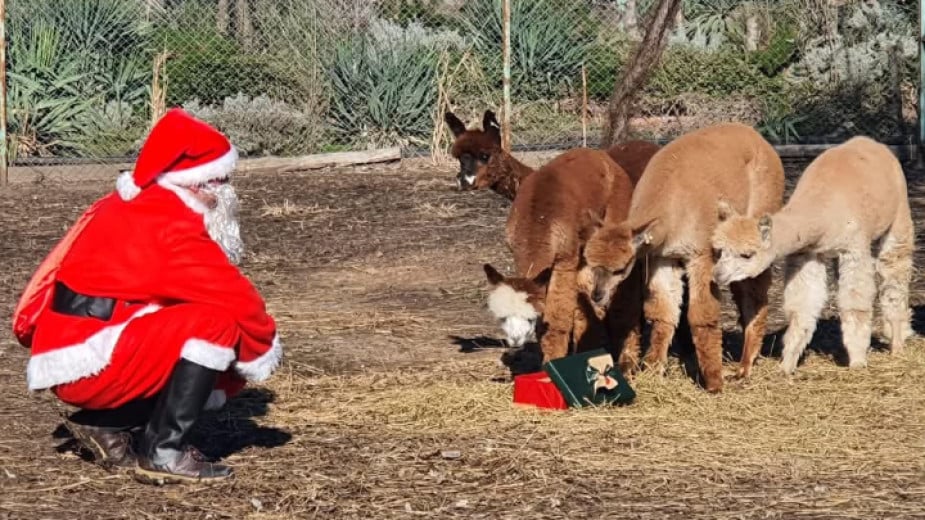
[550,219]
[670,221]
[851,198]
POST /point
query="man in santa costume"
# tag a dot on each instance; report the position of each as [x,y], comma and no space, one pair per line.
[139,315]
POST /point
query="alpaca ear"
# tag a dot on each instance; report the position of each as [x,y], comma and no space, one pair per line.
[642,235]
[764,226]
[456,126]
[491,126]
[489,121]
[543,278]
[596,220]
[494,277]
[725,210]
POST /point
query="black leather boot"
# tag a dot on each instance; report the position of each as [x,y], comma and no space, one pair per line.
[165,455]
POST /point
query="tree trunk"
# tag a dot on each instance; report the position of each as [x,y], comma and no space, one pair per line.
[631,19]
[243,24]
[639,68]
[222,19]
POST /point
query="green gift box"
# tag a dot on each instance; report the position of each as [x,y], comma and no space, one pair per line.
[590,378]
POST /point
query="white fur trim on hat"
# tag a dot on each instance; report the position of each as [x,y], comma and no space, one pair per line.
[216,169]
[126,186]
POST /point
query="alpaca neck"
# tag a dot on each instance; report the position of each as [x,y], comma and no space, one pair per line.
[510,173]
[790,233]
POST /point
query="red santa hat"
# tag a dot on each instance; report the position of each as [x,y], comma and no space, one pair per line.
[182,151]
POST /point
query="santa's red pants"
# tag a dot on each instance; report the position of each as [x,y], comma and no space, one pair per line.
[147,351]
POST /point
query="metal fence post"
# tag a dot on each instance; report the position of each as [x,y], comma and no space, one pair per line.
[506,82]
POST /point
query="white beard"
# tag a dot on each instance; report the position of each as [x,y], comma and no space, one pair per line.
[222,221]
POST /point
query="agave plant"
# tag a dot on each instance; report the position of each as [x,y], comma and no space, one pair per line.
[549,40]
[68,60]
[381,92]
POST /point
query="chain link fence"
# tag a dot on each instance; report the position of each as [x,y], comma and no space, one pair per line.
[291,77]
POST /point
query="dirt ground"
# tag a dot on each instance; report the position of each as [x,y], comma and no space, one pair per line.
[391,402]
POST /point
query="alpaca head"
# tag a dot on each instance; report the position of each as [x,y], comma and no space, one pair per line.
[741,245]
[517,303]
[609,256]
[474,149]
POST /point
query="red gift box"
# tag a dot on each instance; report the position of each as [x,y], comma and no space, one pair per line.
[537,389]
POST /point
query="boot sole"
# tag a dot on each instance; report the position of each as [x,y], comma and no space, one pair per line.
[160,479]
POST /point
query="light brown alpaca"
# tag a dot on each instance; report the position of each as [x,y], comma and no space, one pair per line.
[552,215]
[851,198]
[671,219]
[483,164]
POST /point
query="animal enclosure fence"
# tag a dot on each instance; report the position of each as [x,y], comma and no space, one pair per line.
[86,78]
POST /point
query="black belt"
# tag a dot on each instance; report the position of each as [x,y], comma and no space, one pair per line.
[68,302]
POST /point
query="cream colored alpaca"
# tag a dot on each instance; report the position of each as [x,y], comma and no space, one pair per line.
[671,218]
[851,198]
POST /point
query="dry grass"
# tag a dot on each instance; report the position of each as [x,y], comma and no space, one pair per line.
[391,403]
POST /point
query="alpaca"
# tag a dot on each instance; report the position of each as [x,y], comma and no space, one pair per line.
[670,222]
[850,198]
[483,164]
[551,217]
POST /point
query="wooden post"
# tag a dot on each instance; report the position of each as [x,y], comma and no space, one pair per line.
[506,81]
[584,106]
[4,152]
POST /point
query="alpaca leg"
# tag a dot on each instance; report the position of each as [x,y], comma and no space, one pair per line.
[624,321]
[704,315]
[805,295]
[663,308]
[894,263]
[751,297]
[856,291]
[588,330]
[561,300]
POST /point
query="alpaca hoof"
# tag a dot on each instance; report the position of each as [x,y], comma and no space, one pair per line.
[656,367]
[897,350]
[788,369]
[715,387]
[857,364]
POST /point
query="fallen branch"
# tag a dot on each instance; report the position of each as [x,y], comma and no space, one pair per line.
[317,161]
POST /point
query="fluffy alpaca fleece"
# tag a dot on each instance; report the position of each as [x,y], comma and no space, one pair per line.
[633,157]
[552,215]
[671,219]
[483,164]
[850,199]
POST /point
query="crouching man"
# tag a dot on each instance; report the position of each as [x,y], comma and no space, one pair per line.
[139,316]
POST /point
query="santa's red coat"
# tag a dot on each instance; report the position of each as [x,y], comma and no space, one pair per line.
[177,296]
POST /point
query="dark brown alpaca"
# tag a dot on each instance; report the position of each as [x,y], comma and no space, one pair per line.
[554,212]
[483,164]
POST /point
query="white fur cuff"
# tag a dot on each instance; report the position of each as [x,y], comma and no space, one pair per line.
[126,186]
[261,368]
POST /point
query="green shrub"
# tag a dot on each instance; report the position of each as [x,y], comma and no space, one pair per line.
[549,41]
[207,66]
[404,12]
[714,73]
[260,126]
